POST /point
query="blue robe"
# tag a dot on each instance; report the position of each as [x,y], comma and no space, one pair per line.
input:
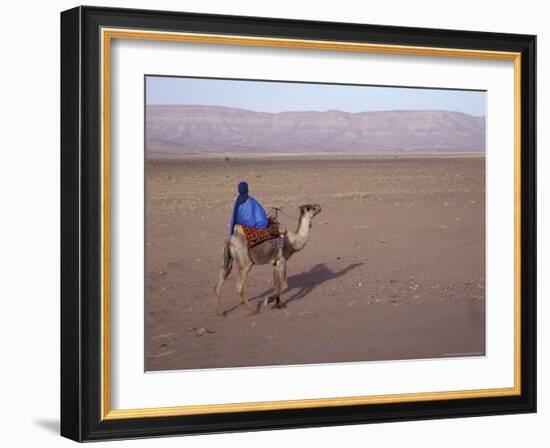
[249,213]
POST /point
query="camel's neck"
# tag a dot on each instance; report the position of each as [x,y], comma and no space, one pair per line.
[298,239]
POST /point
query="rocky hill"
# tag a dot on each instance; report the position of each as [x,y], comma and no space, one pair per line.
[200,129]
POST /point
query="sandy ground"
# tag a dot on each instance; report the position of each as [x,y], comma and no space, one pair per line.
[394,267]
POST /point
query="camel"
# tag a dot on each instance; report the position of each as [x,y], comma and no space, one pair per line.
[264,253]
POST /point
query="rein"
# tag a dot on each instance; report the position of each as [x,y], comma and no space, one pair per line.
[277,210]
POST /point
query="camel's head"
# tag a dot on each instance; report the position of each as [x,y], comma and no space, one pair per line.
[309,211]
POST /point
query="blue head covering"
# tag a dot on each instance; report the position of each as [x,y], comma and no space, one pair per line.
[243,188]
[241,199]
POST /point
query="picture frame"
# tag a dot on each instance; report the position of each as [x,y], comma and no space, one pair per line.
[86,37]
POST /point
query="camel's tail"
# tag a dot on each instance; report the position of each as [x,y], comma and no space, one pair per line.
[227,259]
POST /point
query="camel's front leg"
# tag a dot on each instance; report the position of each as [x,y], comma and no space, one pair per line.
[244,270]
[279,280]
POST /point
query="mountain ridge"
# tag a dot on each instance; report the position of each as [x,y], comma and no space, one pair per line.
[194,128]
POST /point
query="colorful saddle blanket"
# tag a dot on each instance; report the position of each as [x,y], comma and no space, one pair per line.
[256,236]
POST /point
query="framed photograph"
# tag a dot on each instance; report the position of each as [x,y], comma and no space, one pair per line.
[274,223]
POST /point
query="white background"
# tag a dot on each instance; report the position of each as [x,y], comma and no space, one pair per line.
[29,87]
[132,388]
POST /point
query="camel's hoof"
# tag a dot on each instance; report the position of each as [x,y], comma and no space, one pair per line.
[253,310]
[278,304]
[222,313]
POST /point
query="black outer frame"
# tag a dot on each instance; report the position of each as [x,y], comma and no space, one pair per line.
[80,223]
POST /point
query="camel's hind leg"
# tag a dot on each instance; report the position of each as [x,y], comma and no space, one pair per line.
[279,280]
[244,270]
[225,270]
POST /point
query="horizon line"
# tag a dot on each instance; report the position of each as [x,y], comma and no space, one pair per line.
[318,111]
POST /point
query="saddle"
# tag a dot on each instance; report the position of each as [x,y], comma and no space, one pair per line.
[256,236]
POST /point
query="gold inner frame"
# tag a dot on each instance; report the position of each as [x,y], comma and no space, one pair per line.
[107,35]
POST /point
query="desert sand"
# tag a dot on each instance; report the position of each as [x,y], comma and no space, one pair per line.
[394,267]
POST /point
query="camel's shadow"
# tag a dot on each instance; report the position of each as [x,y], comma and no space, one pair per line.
[317,275]
[303,283]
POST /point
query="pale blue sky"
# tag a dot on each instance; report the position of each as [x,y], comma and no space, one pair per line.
[269,96]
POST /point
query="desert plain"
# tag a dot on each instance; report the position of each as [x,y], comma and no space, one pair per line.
[394,267]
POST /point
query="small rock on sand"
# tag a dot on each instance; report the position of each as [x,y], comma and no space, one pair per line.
[202,331]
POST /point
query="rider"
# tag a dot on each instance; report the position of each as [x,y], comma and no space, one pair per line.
[247,211]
